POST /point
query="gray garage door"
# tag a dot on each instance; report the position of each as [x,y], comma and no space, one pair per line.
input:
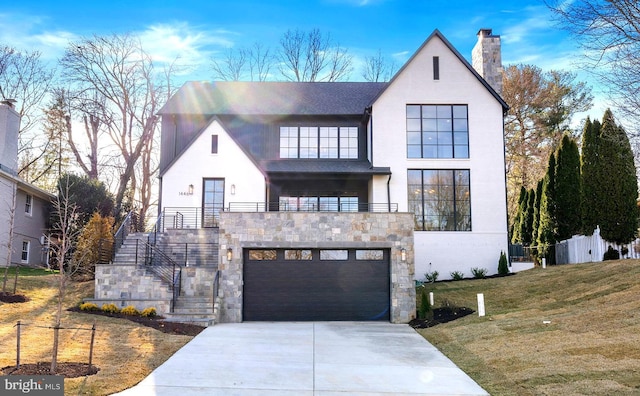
[316,285]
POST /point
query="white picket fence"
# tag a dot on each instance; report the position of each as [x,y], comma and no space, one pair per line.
[585,249]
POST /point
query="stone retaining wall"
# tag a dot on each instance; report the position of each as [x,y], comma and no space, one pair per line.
[130,285]
[342,230]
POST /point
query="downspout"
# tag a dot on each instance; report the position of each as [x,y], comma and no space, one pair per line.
[389,194]
[506,199]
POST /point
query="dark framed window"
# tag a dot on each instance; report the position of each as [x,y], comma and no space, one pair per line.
[318,204]
[436,67]
[319,142]
[214,144]
[262,255]
[212,201]
[440,199]
[437,131]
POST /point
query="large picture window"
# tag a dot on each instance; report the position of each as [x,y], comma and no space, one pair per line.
[437,131]
[318,204]
[319,142]
[440,199]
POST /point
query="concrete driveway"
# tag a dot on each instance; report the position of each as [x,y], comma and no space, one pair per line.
[307,358]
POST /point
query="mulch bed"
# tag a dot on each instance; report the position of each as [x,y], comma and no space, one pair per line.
[13,298]
[156,322]
[67,370]
[441,315]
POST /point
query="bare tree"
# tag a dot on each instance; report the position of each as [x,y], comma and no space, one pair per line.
[377,68]
[125,95]
[25,78]
[260,62]
[541,108]
[65,232]
[232,65]
[11,211]
[312,56]
[609,33]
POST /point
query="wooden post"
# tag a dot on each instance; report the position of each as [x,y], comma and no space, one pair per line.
[93,336]
[18,346]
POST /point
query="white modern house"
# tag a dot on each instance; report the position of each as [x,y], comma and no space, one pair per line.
[330,199]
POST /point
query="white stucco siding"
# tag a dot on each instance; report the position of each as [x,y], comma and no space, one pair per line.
[198,163]
[446,251]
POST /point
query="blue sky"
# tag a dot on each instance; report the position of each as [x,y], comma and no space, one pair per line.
[197,31]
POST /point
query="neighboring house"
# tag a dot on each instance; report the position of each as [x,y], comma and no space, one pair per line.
[331,199]
[22,205]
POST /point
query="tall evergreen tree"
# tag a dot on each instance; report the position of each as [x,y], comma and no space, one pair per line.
[548,214]
[621,190]
[567,183]
[536,211]
[527,232]
[516,236]
[593,177]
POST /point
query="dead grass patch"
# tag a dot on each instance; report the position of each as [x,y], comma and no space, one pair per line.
[591,346]
[124,351]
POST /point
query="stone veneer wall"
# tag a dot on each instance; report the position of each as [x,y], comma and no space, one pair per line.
[317,230]
[130,285]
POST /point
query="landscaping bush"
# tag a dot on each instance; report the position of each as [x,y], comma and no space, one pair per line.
[457,275]
[611,254]
[503,265]
[479,273]
[110,308]
[88,306]
[425,305]
[130,310]
[148,312]
[431,277]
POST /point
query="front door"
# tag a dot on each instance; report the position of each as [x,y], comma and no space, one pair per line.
[212,201]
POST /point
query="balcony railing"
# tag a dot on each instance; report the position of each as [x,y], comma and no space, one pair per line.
[311,207]
[195,217]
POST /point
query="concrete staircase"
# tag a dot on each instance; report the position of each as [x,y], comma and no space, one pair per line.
[196,251]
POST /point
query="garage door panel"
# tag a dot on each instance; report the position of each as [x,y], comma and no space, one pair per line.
[316,289]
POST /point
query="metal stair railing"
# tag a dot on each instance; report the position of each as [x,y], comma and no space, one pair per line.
[163,266]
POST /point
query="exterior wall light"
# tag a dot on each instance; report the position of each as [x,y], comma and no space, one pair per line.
[403,254]
[229,254]
[190,189]
[233,189]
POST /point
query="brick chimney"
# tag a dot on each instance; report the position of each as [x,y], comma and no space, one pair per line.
[9,127]
[487,59]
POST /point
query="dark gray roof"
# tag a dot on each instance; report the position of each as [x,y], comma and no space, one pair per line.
[323,166]
[277,98]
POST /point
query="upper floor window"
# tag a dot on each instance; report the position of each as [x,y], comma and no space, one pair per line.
[28,204]
[319,142]
[440,199]
[437,131]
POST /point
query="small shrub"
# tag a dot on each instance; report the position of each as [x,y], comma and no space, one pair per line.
[479,273]
[148,312]
[110,308]
[611,254]
[431,277]
[457,275]
[503,265]
[130,310]
[425,305]
[89,306]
